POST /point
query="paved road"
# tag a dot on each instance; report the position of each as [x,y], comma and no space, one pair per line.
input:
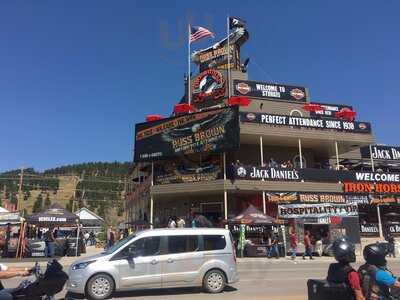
[259,279]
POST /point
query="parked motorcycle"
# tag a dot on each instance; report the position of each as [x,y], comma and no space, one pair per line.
[45,286]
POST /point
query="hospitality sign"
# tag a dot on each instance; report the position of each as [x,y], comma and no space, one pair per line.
[303,122]
[267,90]
[209,131]
[321,210]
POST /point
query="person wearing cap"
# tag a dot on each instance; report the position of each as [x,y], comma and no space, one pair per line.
[377,282]
[342,272]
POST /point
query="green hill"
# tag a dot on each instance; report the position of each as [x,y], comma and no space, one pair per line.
[96,185]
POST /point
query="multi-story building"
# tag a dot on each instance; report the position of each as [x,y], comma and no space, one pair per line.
[296,159]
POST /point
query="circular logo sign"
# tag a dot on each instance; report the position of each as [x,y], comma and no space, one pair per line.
[297,94]
[241,172]
[251,116]
[362,126]
[208,85]
[243,88]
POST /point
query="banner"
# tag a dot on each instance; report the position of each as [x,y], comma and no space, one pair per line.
[393,228]
[328,110]
[322,198]
[359,199]
[369,229]
[267,91]
[282,197]
[377,188]
[208,173]
[265,173]
[303,122]
[381,152]
[209,131]
[293,211]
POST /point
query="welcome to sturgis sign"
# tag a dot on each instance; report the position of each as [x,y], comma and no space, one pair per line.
[209,131]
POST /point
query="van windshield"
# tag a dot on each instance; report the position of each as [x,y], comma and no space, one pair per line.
[119,244]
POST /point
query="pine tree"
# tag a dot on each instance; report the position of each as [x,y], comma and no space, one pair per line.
[47,201]
[38,205]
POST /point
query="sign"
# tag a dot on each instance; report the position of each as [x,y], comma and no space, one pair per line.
[282,197]
[208,173]
[377,177]
[303,122]
[359,199]
[52,219]
[381,152]
[294,211]
[208,88]
[265,173]
[10,217]
[218,58]
[328,110]
[369,229]
[268,91]
[394,228]
[378,188]
[209,131]
[322,198]
[382,200]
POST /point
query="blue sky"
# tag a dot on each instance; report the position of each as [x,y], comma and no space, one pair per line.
[76,75]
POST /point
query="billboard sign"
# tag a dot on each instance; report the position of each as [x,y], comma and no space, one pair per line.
[381,152]
[270,91]
[210,131]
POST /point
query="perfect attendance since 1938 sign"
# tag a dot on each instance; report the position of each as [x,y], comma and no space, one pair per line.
[209,131]
[303,122]
[270,90]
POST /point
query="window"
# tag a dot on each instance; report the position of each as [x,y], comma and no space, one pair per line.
[148,246]
[296,162]
[183,243]
[214,242]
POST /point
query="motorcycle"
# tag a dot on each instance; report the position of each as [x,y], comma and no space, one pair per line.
[45,286]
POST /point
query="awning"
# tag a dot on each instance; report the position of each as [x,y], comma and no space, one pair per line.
[252,215]
[55,215]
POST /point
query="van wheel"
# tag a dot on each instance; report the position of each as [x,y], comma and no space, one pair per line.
[100,287]
[214,281]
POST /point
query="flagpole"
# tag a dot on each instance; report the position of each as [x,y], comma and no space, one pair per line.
[188,76]
[229,61]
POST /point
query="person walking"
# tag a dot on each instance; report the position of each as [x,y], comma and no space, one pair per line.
[49,241]
[273,250]
[392,249]
[307,245]
[293,243]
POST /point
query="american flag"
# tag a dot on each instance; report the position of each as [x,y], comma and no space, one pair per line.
[197,33]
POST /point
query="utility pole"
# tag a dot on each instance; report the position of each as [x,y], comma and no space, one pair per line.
[20,197]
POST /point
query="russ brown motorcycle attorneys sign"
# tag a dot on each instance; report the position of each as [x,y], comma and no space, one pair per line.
[293,211]
[209,131]
[270,90]
[303,122]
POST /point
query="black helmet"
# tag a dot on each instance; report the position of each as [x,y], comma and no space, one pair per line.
[344,250]
[374,254]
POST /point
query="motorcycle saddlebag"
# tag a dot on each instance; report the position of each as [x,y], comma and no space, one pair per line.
[323,290]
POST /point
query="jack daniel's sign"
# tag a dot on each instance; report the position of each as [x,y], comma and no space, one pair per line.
[381,152]
[266,173]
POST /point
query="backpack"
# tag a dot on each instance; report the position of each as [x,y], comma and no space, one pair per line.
[370,288]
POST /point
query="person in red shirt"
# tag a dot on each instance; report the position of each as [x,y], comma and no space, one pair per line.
[307,245]
[342,272]
[293,243]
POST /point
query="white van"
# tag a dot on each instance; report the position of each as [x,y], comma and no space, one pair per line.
[159,258]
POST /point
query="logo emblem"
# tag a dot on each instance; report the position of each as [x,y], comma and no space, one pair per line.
[241,172]
[362,126]
[208,85]
[243,88]
[297,94]
[251,116]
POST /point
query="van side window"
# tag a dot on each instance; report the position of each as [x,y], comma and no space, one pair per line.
[148,246]
[183,243]
[214,242]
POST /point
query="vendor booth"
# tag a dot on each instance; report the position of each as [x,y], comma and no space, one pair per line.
[91,222]
[60,220]
[10,227]
[253,230]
